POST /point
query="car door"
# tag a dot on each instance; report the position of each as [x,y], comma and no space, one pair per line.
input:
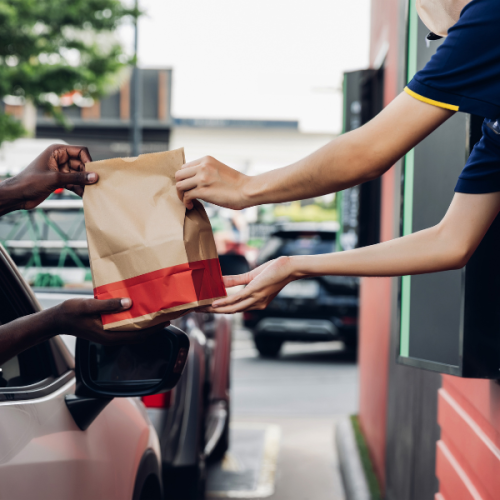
[43,454]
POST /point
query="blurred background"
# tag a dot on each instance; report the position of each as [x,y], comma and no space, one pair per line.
[258,86]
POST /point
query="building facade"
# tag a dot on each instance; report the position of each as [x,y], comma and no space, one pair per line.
[431,435]
[105,125]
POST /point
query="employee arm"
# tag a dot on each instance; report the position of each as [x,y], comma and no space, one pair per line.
[448,245]
[348,160]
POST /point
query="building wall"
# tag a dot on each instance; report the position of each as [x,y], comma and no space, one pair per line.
[468,453]
[249,150]
[418,424]
[376,293]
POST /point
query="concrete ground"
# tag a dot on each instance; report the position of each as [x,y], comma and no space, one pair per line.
[283,418]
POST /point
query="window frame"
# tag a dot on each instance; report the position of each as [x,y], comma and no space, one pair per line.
[23,301]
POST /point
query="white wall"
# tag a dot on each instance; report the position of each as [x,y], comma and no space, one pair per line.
[248,150]
[17,155]
[260,59]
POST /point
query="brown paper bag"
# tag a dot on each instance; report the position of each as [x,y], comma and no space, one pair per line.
[143,244]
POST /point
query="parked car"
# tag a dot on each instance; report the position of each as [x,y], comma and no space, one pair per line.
[62,439]
[192,420]
[312,309]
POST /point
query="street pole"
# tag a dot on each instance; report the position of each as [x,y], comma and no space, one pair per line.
[135,96]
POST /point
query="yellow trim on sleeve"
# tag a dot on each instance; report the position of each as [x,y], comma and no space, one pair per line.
[430,101]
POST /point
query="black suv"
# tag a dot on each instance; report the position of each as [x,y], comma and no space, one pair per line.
[313,309]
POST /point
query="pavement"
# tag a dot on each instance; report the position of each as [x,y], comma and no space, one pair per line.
[283,422]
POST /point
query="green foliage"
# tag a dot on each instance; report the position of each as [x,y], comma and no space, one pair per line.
[366,460]
[52,47]
[10,128]
[295,212]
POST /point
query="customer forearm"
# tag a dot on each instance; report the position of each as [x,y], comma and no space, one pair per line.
[10,197]
[352,158]
[25,332]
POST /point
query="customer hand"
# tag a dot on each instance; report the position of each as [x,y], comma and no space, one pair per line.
[212,181]
[263,284]
[82,318]
[59,166]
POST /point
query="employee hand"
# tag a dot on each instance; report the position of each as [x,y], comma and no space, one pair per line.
[263,284]
[212,181]
[82,318]
[59,166]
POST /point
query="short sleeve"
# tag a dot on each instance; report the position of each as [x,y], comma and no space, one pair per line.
[464,73]
[481,173]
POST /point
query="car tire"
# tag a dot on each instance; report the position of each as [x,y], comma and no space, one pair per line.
[185,483]
[188,482]
[268,347]
[351,344]
[151,489]
[223,444]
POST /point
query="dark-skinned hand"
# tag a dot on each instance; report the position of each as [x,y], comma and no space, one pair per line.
[59,166]
[78,317]
[82,318]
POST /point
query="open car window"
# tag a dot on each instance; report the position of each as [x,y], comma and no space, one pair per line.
[36,368]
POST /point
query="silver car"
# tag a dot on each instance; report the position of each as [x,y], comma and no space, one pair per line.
[44,453]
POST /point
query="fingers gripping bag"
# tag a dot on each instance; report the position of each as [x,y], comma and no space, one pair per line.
[145,245]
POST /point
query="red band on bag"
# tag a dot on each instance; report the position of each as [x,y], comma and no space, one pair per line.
[164,289]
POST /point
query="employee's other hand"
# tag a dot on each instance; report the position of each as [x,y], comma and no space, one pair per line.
[82,318]
[263,284]
[59,166]
[210,180]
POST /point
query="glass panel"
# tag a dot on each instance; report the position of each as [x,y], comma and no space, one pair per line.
[10,372]
[134,362]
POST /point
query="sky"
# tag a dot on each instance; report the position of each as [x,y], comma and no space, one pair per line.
[264,59]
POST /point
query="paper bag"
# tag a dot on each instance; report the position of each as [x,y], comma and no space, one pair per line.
[145,245]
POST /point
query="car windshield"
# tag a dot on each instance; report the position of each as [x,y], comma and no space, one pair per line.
[297,244]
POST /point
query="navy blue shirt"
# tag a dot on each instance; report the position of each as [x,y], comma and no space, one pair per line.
[464,75]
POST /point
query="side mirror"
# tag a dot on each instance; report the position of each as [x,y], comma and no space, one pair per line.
[104,372]
[149,367]
[233,264]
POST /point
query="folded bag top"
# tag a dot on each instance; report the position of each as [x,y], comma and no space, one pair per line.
[143,244]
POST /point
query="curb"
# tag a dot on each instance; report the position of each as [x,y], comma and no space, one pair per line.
[351,468]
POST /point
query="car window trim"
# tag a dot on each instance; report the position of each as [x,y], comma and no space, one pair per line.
[38,390]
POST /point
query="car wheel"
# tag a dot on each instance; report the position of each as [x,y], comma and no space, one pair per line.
[351,344]
[188,482]
[223,444]
[151,489]
[268,347]
[185,483]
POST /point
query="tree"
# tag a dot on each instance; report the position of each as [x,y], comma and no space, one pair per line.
[52,47]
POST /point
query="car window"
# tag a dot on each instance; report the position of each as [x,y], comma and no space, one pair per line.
[27,368]
[34,364]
